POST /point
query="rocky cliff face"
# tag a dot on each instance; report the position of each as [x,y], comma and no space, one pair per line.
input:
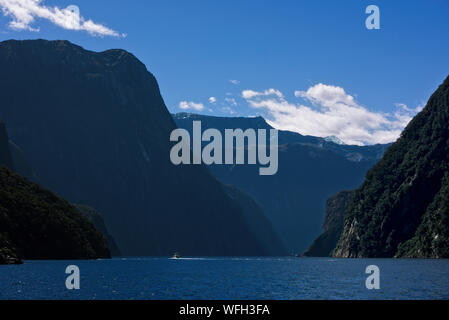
[431,239]
[96,130]
[402,207]
[336,208]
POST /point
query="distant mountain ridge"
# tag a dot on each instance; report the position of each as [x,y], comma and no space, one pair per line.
[335,140]
[351,152]
[311,170]
[96,130]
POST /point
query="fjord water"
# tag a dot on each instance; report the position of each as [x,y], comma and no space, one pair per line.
[227,278]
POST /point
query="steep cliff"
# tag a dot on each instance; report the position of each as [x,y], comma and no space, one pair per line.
[402,207]
[336,208]
[431,239]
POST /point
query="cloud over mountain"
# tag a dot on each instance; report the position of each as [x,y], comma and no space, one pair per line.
[330,111]
[186,105]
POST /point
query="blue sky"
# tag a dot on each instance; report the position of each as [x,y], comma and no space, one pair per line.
[358,84]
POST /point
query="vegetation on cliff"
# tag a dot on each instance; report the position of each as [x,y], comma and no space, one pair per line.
[37,224]
[97,220]
[402,207]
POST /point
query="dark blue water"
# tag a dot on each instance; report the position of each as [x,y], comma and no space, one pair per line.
[227,278]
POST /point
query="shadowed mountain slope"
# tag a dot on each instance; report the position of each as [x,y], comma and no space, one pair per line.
[96,130]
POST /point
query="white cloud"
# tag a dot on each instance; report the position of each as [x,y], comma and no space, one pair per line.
[228,110]
[248,94]
[186,105]
[24,12]
[212,100]
[236,82]
[332,112]
[404,107]
[326,95]
[421,106]
[231,101]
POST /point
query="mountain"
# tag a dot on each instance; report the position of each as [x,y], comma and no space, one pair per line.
[402,207]
[352,153]
[37,224]
[21,164]
[258,224]
[335,140]
[96,219]
[13,157]
[336,208]
[96,130]
[8,254]
[311,170]
[431,239]
[17,160]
